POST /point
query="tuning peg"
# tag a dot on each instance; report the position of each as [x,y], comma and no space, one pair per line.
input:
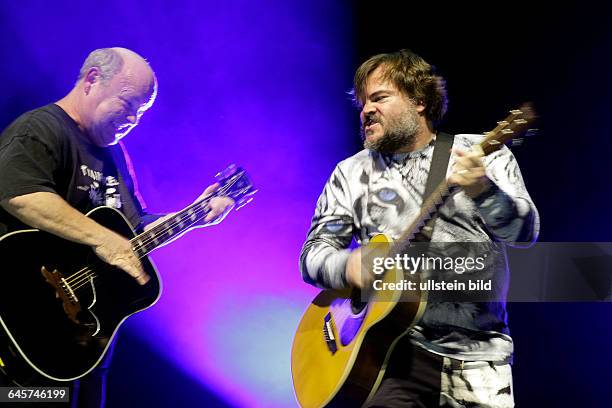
[531,132]
[245,200]
[517,142]
[225,174]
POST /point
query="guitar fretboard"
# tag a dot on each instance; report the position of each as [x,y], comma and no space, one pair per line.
[171,228]
[512,126]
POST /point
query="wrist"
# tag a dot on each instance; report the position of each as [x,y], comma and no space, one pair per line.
[482,189]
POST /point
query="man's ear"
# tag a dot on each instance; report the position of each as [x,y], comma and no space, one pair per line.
[92,77]
[420,106]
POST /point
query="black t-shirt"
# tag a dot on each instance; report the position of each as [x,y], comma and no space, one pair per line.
[44,150]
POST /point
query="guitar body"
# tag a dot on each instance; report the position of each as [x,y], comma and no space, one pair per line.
[61,306]
[39,341]
[339,354]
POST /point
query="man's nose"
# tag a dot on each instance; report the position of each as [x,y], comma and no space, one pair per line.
[133,119]
[366,110]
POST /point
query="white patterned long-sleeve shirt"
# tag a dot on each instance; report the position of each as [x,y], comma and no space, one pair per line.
[372,193]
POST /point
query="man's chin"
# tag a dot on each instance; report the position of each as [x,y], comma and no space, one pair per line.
[388,143]
[372,142]
[372,137]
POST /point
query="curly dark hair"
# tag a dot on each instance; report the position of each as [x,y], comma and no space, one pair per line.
[412,75]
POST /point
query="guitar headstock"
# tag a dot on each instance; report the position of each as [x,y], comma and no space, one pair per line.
[511,129]
[235,183]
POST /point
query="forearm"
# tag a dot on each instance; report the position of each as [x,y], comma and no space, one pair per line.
[217,210]
[49,212]
[510,219]
[325,253]
[507,208]
[324,265]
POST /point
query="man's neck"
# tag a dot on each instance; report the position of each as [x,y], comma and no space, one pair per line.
[69,104]
[421,139]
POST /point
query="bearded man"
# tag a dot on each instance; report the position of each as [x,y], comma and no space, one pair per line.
[458,353]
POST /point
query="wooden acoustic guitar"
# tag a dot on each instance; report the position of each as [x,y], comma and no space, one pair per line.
[344,340]
[61,306]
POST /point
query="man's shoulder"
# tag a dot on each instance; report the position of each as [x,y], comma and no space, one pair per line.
[361,159]
[45,124]
[466,140]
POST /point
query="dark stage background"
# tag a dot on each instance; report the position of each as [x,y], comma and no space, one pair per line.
[265,85]
[495,56]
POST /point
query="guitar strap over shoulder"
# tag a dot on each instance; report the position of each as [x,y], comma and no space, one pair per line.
[437,173]
[131,205]
[439,162]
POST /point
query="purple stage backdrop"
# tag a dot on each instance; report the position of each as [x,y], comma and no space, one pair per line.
[260,84]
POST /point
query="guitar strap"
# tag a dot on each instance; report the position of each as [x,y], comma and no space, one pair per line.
[437,173]
[132,206]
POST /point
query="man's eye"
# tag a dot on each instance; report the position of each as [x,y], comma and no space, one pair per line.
[379,98]
[125,104]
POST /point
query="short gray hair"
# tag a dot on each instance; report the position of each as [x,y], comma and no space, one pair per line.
[107,60]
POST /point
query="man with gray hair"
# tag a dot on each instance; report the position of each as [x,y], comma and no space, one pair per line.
[62,160]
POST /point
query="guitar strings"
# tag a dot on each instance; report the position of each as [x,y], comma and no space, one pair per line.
[81,277]
[164,227]
[84,275]
[77,274]
[155,232]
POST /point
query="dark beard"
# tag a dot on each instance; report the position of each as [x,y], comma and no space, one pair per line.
[400,135]
[390,142]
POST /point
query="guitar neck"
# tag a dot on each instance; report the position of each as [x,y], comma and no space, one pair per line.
[514,125]
[171,228]
[233,183]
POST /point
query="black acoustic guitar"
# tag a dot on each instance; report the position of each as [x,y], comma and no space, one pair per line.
[61,306]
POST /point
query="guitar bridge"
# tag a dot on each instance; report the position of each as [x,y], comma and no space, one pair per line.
[328,333]
[63,291]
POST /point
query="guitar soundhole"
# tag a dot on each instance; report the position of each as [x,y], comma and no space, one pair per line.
[357,304]
[357,307]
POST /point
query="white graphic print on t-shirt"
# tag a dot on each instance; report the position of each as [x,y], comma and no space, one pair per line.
[103,190]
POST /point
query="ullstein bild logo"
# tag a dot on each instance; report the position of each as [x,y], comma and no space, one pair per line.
[429,285]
